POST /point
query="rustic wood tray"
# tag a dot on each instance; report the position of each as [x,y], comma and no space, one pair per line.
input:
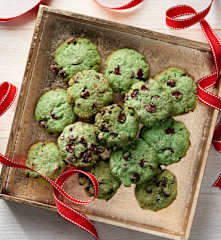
[161,51]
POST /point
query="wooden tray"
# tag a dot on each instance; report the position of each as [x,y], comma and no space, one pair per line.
[161,51]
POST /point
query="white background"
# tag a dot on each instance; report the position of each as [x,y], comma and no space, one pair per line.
[19,222]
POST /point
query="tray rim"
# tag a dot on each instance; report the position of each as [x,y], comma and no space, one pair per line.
[39,24]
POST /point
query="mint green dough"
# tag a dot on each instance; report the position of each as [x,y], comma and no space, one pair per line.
[77,55]
[108,184]
[181,87]
[134,164]
[89,93]
[158,193]
[118,126]
[45,158]
[125,67]
[150,101]
[169,138]
[53,111]
[78,145]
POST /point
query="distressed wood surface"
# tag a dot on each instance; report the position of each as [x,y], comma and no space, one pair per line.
[19,222]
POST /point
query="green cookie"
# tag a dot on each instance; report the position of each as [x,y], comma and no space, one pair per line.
[45,158]
[53,111]
[159,193]
[75,55]
[108,184]
[125,67]
[78,145]
[150,101]
[89,93]
[135,164]
[118,127]
[181,87]
[169,138]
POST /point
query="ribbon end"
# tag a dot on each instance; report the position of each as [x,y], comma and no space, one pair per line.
[217,183]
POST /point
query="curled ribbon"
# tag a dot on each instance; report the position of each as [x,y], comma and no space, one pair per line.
[123,6]
[7,97]
[174,21]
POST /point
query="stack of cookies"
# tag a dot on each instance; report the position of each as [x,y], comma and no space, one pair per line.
[127,141]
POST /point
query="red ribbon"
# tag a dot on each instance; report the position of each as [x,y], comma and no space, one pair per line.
[7,97]
[124,6]
[174,21]
[24,10]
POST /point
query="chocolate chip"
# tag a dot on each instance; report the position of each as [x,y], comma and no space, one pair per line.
[177,94]
[71,40]
[126,97]
[71,129]
[53,115]
[44,124]
[94,105]
[121,117]
[150,166]
[141,163]
[70,148]
[102,112]
[85,94]
[135,178]
[163,181]
[117,70]
[155,96]
[72,137]
[82,140]
[126,155]
[169,131]
[151,108]
[54,68]
[104,128]
[132,75]
[62,74]
[171,83]
[144,88]
[134,93]
[87,156]
[113,134]
[74,64]
[124,165]
[140,74]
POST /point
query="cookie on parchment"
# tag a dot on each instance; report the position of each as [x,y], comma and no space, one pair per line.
[78,145]
[118,126]
[125,67]
[169,138]
[108,184]
[182,88]
[75,55]
[150,101]
[158,193]
[134,164]
[45,158]
[53,111]
[89,93]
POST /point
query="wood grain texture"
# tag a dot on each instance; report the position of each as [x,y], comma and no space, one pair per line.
[14,47]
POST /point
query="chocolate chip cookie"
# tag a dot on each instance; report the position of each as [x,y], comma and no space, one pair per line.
[108,184]
[134,164]
[45,158]
[182,89]
[150,101]
[75,55]
[89,93]
[118,126]
[125,67]
[53,111]
[169,138]
[78,145]
[158,193]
